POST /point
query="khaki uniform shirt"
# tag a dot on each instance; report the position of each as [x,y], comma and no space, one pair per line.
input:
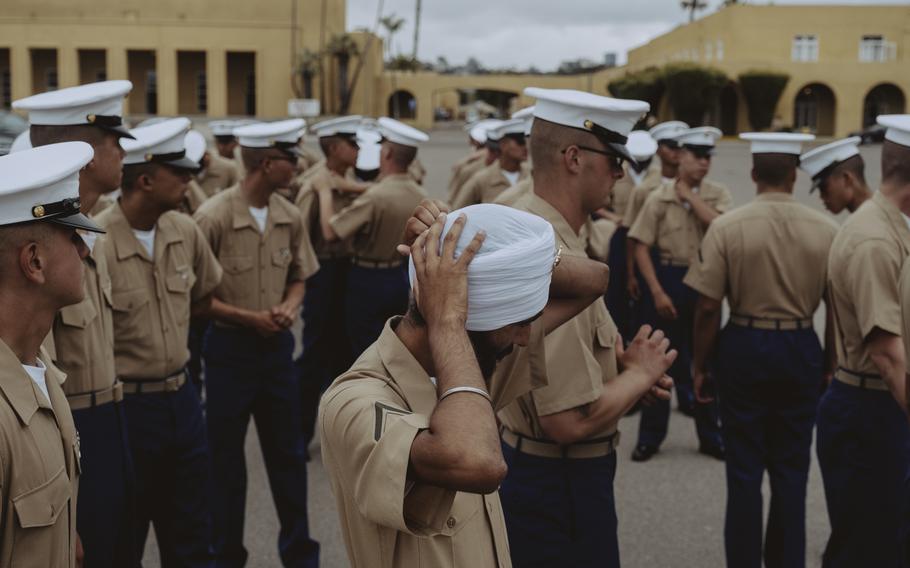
[473,162]
[152,297]
[368,420]
[104,201]
[377,218]
[39,469]
[220,173]
[769,257]
[580,354]
[193,199]
[599,234]
[511,196]
[641,192]
[417,172]
[622,190]
[308,205]
[257,266]
[486,185]
[864,270]
[674,229]
[238,162]
[83,334]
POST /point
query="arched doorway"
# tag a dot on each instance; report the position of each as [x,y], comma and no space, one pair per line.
[885,98]
[485,103]
[814,109]
[726,110]
[402,104]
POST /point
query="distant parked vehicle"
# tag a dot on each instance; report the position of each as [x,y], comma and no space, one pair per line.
[871,134]
[11,125]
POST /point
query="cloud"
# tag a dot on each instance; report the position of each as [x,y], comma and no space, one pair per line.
[539,33]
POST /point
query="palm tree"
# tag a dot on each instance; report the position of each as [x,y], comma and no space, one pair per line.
[393,25]
[416,29]
[343,47]
[307,70]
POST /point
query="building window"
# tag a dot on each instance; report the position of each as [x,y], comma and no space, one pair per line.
[874,48]
[50,78]
[101,75]
[805,48]
[201,92]
[719,52]
[6,89]
[709,51]
[151,92]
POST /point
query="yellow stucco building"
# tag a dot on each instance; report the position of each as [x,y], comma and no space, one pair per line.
[238,57]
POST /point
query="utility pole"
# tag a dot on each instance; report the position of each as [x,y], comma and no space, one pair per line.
[692,6]
[416,29]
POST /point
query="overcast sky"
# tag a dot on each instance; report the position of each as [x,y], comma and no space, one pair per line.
[542,33]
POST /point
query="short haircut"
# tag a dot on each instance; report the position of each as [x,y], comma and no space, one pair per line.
[895,163]
[12,237]
[132,173]
[326,143]
[42,135]
[550,139]
[774,169]
[253,157]
[854,165]
[402,155]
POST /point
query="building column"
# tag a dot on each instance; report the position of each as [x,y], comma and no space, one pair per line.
[217,82]
[116,64]
[166,71]
[67,67]
[20,70]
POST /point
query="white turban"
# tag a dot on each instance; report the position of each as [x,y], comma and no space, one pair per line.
[509,278]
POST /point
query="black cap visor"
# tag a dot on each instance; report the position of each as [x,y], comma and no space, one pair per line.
[77,221]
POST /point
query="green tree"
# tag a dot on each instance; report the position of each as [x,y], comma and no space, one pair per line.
[392,25]
[692,90]
[307,70]
[644,85]
[343,47]
[762,91]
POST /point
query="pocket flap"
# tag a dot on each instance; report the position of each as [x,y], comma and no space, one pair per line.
[465,507]
[41,506]
[78,315]
[237,264]
[606,335]
[179,282]
[129,300]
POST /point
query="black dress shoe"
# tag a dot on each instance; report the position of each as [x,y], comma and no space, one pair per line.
[643,452]
[716,452]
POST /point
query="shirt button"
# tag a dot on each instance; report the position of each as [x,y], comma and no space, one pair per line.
[451,523]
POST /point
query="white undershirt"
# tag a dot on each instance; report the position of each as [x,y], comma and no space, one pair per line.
[666,179]
[37,375]
[906,220]
[636,176]
[260,216]
[512,176]
[147,239]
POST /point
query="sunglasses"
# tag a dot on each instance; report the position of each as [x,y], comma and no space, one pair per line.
[615,161]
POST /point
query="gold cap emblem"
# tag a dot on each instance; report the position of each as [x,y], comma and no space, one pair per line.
[90,118]
[149,157]
[38,211]
[588,124]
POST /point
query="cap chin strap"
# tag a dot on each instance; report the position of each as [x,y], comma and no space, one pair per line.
[605,134]
[169,157]
[63,208]
[104,120]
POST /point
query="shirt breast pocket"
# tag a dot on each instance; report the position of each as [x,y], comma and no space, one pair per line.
[281,260]
[238,278]
[605,352]
[179,286]
[38,511]
[130,314]
[79,315]
[465,507]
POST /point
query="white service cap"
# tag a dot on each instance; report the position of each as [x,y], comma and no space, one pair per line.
[641,145]
[161,143]
[668,131]
[478,131]
[609,119]
[370,142]
[284,135]
[97,104]
[898,127]
[777,142]
[400,133]
[818,162]
[508,127]
[42,184]
[341,126]
[702,138]
[527,112]
[22,142]
[223,128]
[195,145]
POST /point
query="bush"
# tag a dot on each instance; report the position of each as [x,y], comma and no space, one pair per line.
[692,90]
[645,85]
[762,90]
